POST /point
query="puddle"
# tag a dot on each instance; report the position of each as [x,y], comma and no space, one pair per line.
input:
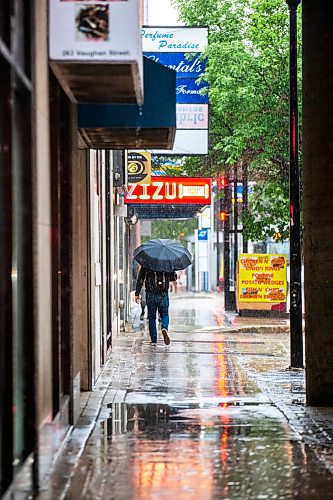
[153,417]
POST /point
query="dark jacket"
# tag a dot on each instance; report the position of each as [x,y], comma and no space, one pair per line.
[154,281]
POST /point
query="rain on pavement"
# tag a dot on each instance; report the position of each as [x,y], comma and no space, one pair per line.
[200,419]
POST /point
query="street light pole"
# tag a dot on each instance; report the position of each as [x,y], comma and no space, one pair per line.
[296,335]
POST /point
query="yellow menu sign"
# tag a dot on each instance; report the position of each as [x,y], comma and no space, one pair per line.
[262,278]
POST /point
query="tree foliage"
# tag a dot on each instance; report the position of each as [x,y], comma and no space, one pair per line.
[247,72]
[175,230]
[267,198]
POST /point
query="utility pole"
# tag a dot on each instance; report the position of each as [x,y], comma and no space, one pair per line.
[296,334]
[229,295]
[217,218]
[245,201]
[235,223]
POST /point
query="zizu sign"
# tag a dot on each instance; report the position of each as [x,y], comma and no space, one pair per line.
[171,190]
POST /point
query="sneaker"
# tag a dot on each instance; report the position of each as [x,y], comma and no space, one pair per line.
[165,336]
[154,344]
[142,316]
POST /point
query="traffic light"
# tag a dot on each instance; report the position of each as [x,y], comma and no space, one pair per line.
[221,182]
[223,216]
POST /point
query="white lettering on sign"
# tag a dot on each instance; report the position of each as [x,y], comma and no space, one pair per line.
[171,196]
[144,195]
[183,90]
[131,189]
[156,194]
[194,66]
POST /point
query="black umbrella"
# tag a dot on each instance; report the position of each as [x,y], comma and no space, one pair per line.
[163,255]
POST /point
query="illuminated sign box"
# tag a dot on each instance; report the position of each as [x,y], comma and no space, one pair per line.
[171,190]
[93,31]
[95,35]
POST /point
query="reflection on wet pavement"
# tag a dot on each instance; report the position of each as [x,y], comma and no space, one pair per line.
[207,311]
[151,451]
[202,418]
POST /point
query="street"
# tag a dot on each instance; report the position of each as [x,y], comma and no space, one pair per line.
[217,414]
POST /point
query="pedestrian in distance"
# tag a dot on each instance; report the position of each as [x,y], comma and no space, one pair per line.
[157,299]
[173,286]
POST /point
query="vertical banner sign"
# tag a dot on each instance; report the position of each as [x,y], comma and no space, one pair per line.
[138,167]
[181,49]
[262,280]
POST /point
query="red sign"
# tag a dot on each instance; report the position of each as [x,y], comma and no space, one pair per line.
[171,191]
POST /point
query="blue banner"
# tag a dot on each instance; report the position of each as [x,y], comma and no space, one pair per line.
[186,67]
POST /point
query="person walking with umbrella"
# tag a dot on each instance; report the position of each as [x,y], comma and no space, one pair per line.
[159,258]
[157,299]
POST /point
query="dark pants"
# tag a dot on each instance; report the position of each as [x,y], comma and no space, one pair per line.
[160,302]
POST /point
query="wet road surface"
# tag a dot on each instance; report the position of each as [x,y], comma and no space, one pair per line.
[204,418]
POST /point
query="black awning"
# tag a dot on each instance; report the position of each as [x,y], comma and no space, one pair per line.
[124,126]
[179,212]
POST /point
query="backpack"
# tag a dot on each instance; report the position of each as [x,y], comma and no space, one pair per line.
[159,282]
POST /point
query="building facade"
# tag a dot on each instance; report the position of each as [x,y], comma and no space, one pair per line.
[63,265]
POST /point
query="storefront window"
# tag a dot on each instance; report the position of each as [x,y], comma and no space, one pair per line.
[17,418]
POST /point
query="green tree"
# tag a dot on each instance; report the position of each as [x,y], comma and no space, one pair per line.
[176,230]
[247,72]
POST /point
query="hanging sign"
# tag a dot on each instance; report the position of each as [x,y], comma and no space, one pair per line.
[107,30]
[138,167]
[171,190]
[181,49]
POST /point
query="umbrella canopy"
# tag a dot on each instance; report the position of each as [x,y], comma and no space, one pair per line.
[163,255]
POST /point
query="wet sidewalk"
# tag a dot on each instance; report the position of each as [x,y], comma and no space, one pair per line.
[217,414]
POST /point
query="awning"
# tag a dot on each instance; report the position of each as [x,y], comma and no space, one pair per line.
[87,82]
[129,126]
[177,212]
